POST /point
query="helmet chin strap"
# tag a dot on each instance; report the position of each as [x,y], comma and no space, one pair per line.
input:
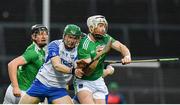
[42,45]
[97,36]
[39,45]
[67,48]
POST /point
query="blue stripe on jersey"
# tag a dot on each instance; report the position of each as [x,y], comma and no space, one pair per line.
[76,58]
[53,50]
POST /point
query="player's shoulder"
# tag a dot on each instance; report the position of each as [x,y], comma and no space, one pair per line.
[84,42]
[30,52]
[84,38]
[55,43]
[31,48]
[108,37]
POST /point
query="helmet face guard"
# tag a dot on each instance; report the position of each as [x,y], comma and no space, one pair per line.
[39,34]
[93,21]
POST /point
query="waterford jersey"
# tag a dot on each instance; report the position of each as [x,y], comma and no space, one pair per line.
[87,49]
[34,57]
[47,74]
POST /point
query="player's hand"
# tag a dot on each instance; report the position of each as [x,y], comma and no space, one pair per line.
[110,70]
[99,50]
[79,73]
[126,60]
[16,92]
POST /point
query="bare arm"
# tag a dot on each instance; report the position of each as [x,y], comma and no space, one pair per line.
[123,50]
[12,70]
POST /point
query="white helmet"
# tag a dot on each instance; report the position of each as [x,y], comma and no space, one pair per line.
[93,21]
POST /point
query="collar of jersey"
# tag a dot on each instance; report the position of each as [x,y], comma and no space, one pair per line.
[37,47]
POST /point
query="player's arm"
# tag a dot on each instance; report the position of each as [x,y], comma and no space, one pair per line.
[87,61]
[109,70]
[53,55]
[94,64]
[56,62]
[12,70]
[118,46]
[84,55]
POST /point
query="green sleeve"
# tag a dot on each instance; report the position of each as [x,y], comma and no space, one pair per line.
[108,36]
[29,55]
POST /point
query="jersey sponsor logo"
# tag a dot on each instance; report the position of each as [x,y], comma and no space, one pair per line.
[80,86]
[69,64]
[100,48]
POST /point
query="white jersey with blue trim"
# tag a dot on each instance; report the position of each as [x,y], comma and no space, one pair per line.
[47,74]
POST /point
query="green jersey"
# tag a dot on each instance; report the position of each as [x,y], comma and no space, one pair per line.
[87,49]
[34,57]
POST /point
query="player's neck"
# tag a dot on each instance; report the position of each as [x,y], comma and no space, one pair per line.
[92,37]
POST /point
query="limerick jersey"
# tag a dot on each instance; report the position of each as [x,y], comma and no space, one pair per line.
[87,49]
[47,74]
[34,57]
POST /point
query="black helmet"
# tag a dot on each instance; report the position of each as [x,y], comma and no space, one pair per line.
[37,28]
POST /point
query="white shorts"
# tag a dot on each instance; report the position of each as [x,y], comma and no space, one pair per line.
[10,98]
[97,87]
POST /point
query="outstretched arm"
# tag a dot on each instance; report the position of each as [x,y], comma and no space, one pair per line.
[12,70]
[118,46]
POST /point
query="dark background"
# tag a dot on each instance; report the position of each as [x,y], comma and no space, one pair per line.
[149,28]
